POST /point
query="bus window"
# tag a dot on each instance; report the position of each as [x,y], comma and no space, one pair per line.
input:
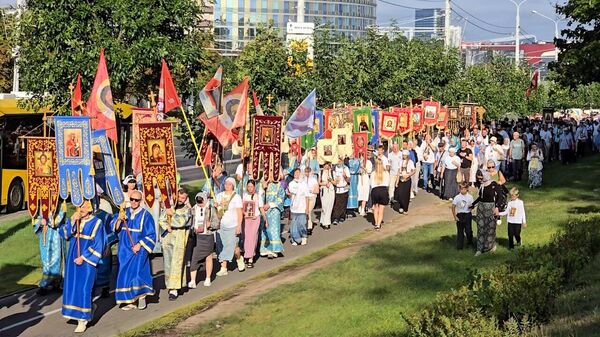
[14,152]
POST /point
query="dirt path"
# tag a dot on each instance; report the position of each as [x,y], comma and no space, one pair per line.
[437,211]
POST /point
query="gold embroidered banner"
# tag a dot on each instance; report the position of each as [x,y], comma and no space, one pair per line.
[158,161]
[42,176]
[266,149]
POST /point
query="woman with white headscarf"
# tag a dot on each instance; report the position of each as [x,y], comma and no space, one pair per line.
[230,209]
[404,182]
[449,171]
[489,191]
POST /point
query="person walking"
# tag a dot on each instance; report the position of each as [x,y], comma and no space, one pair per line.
[327,195]
[299,194]
[466,160]
[428,149]
[515,218]
[450,167]
[380,179]
[535,157]
[461,211]
[516,153]
[253,203]
[270,244]
[202,241]
[486,212]
[404,183]
[341,177]
[51,247]
[364,184]
[230,207]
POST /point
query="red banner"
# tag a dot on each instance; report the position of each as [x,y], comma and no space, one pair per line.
[158,161]
[138,115]
[360,143]
[42,177]
[417,119]
[326,124]
[404,125]
[389,124]
[442,118]
[431,110]
[266,149]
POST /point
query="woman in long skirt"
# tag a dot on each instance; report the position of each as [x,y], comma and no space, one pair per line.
[449,170]
[270,243]
[364,186]
[354,168]
[253,209]
[341,177]
[486,212]
[404,185]
[327,195]
[535,158]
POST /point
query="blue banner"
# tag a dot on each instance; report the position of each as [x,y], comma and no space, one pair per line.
[74,154]
[111,184]
[319,125]
[375,127]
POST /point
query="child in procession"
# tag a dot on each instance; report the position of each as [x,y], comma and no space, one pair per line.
[515,217]
[461,211]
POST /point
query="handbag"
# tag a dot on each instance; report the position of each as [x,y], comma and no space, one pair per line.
[459,177]
[211,218]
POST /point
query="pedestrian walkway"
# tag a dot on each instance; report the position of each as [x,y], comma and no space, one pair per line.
[27,314]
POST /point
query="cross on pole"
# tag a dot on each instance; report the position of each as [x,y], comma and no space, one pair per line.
[269,98]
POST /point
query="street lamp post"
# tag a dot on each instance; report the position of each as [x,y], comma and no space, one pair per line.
[517,30]
[555,32]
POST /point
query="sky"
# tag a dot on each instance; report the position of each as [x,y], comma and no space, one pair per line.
[488,14]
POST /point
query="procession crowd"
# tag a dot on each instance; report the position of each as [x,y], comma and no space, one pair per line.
[240,219]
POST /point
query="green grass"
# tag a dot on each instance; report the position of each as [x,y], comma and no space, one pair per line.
[577,312]
[366,294]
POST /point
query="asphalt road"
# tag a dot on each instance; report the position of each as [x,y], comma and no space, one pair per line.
[27,314]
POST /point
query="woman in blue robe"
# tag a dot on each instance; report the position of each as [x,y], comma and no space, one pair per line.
[137,237]
[354,166]
[51,250]
[270,243]
[85,234]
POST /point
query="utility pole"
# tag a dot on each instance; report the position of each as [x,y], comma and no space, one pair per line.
[556,35]
[300,11]
[517,31]
[447,40]
[21,4]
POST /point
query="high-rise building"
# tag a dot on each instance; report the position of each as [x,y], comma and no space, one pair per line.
[429,23]
[235,21]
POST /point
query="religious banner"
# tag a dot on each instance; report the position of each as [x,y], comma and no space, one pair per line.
[42,173]
[326,125]
[308,140]
[158,161]
[430,112]
[404,124]
[210,150]
[442,118]
[467,114]
[327,151]
[111,182]
[138,115]
[74,156]
[375,137]
[295,150]
[453,118]
[389,124]
[360,142]
[266,149]
[342,137]
[319,128]
[362,119]
[340,117]
[417,118]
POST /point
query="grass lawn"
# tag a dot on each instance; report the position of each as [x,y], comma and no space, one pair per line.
[20,265]
[367,294]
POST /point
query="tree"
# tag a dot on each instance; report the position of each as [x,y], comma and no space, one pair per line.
[6,51]
[59,39]
[579,46]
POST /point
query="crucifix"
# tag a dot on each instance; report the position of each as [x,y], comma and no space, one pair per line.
[151,96]
[269,98]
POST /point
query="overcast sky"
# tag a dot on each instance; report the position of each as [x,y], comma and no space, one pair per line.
[488,14]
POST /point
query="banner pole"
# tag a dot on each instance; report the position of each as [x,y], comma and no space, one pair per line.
[187,122]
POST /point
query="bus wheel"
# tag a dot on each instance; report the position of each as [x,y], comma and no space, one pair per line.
[16,196]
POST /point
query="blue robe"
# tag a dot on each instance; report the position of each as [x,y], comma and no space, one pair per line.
[79,280]
[134,279]
[105,265]
[354,167]
[51,249]
[270,238]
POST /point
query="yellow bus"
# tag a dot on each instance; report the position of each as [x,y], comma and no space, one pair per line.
[14,123]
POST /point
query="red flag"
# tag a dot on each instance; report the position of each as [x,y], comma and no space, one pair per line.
[76,101]
[210,95]
[257,107]
[167,94]
[533,85]
[100,104]
[225,126]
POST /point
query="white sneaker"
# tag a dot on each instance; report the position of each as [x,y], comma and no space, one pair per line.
[222,272]
[207,282]
[362,213]
[494,248]
[240,264]
[412,195]
[81,326]
[304,241]
[192,285]
[478,253]
[294,243]
[370,210]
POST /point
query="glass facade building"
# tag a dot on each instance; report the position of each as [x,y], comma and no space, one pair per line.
[235,21]
[429,23]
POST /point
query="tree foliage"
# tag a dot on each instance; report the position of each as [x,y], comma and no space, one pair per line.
[580,45]
[6,50]
[59,39]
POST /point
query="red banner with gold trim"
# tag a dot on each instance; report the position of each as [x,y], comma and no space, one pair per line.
[360,144]
[266,149]
[442,118]
[42,177]
[417,118]
[431,110]
[389,124]
[404,125]
[158,161]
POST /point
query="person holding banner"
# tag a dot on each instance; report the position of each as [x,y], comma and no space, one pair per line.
[253,214]
[327,195]
[428,149]
[341,177]
[270,243]
[86,239]
[364,184]
[51,250]
[230,208]
[175,222]
[137,237]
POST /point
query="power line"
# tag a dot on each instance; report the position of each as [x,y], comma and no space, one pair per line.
[478,19]
[397,5]
[482,28]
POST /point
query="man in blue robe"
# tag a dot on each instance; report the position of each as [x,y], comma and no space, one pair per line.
[137,237]
[51,250]
[104,212]
[86,237]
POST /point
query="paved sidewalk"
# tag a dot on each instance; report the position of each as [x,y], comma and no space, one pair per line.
[26,314]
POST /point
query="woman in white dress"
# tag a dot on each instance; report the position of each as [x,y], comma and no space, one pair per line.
[327,195]
[364,184]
